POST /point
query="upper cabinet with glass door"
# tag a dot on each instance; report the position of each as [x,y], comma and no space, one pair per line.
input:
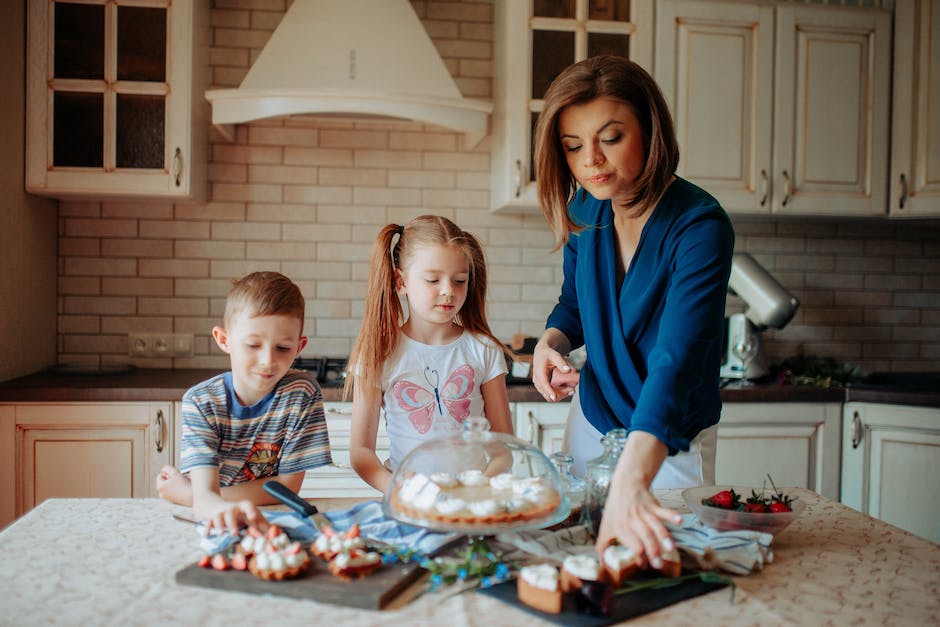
[114,98]
[535,41]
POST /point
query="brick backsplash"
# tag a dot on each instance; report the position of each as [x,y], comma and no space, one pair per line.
[307,196]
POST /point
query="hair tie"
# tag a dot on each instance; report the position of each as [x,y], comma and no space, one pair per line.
[400,230]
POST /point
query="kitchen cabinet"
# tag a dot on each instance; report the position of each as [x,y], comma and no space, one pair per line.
[339,479]
[890,456]
[534,41]
[114,98]
[542,424]
[915,123]
[795,443]
[78,450]
[779,109]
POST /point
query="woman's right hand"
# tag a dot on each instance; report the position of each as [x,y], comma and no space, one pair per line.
[552,375]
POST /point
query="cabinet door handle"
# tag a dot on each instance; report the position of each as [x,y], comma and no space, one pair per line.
[903,191]
[786,189]
[518,178]
[178,166]
[341,412]
[159,431]
[763,178]
[856,430]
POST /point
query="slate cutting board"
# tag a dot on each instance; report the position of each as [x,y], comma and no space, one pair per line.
[371,593]
[625,606]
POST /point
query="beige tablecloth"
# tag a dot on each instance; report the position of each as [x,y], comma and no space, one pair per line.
[112,561]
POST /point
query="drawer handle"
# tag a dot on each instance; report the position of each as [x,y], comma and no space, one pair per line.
[178,167]
[159,428]
[856,430]
[518,178]
[763,178]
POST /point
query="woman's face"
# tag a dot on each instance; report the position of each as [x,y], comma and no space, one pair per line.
[603,143]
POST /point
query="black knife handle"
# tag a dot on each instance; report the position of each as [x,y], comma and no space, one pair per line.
[290,498]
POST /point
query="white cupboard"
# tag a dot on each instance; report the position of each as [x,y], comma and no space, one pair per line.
[795,443]
[534,41]
[77,450]
[779,109]
[115,102]
[915,125]
[542,424]
[890,457]
[339,479]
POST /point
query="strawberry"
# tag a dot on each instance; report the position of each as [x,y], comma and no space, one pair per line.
[239,561]
[757,507]
[273,532]
[205,561]
[293,548]
[778,507]
[253,532]
[723,499]
[219,562]
[353,532]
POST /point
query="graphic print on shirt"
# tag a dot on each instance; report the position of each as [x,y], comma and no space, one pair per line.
[262,460]
[420,401]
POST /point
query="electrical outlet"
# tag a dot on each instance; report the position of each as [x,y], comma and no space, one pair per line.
[139,345]
[182,345]
[162,344]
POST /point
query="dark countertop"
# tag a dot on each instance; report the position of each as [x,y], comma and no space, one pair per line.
[150,384]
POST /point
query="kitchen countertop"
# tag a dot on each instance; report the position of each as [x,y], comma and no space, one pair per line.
[169,385]
[113,561]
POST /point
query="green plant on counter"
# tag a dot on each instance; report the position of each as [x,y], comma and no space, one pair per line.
[823,372]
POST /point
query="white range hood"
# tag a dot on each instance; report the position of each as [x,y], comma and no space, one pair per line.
[350,57]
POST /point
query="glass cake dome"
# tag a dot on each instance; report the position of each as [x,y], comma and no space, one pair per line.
[476,482]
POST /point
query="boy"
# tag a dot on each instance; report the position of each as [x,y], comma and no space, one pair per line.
[258,422]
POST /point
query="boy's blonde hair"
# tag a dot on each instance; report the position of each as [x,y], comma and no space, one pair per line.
[383,314]
[264,294]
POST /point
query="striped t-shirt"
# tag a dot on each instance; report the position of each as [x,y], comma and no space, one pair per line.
[283,433]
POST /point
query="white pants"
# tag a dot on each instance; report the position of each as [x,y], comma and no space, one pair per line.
[684,470]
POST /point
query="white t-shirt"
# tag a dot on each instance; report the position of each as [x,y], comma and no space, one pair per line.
[428,391]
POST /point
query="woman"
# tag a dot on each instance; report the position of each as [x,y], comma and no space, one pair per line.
[646,262]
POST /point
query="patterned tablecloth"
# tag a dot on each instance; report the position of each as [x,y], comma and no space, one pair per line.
[112,561]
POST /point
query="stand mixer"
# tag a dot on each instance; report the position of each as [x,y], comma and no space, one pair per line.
[769,305]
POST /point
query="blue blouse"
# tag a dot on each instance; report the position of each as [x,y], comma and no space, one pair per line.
[654,342]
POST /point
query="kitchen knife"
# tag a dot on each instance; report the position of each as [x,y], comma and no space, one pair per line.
[290,498]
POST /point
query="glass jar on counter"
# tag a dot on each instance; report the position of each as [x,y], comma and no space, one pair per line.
[598,473]
[575,488]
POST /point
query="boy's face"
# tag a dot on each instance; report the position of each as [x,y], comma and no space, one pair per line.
[262,349]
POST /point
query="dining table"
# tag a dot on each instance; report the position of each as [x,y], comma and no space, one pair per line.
[113,561]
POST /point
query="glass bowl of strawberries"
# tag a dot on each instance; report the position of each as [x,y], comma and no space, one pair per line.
[730,508]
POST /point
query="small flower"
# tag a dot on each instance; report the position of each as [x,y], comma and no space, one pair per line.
[461,574]
[502,571]
[486,582]
[389,558]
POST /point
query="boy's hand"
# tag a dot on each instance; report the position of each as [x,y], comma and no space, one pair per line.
[231,517]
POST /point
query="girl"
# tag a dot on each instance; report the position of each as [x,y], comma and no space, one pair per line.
[437,367]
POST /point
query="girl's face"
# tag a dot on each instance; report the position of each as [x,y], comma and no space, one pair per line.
[603,143]
[435,283]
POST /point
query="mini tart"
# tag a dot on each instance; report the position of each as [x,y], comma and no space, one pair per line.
[473,501]
[577,569]
[620,563]
[538,587]
[355,564]
[327,546]
[280,564]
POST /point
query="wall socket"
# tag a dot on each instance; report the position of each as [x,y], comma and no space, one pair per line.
[160,344]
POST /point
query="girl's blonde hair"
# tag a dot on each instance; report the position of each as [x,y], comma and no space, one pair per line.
[603,76]
[384,315]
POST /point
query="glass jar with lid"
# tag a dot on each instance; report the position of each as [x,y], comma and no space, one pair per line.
[598,473]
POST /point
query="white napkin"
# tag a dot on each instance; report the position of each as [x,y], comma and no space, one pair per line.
[737,552]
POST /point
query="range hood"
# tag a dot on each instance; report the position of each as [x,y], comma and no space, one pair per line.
[350,57]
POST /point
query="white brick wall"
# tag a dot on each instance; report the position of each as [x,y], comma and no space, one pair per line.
[307,197]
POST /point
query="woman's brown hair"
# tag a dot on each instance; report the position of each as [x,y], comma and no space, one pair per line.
[383,314]
[598,77]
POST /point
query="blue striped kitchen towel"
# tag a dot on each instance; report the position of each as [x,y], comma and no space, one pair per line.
[737,552]
[372,521]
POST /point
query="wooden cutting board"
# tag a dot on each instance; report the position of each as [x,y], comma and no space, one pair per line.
[372,593]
